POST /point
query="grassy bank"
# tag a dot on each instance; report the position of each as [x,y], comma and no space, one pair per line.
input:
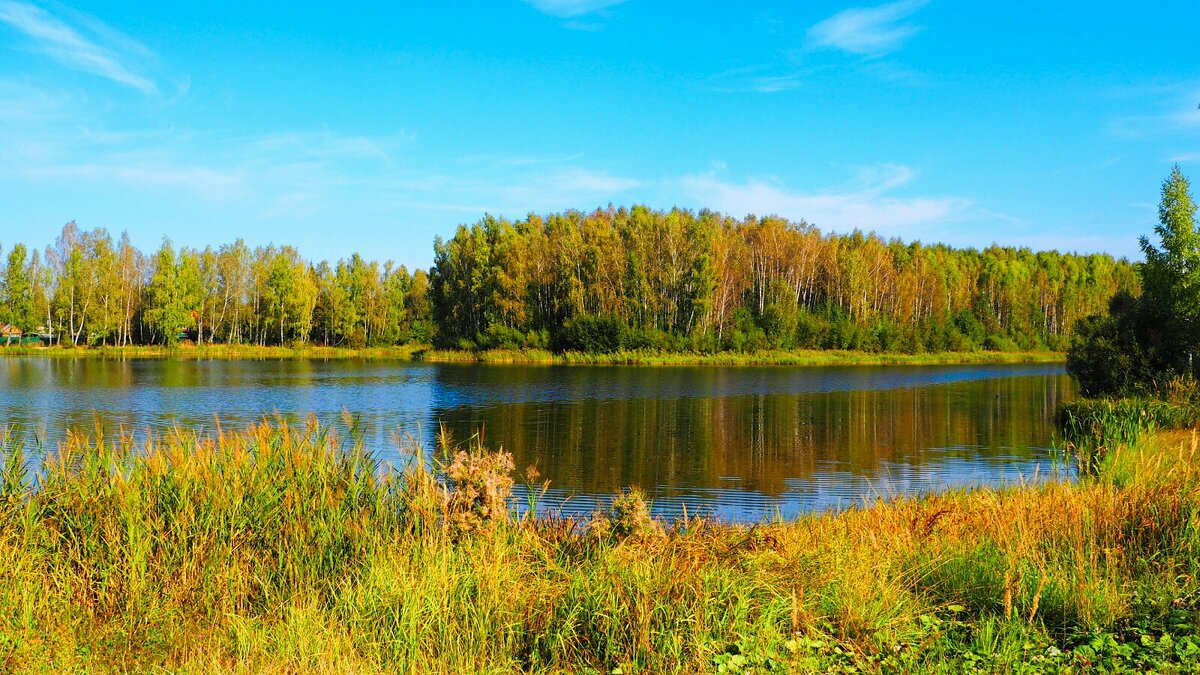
[285,549]
[535,356]
[765,358]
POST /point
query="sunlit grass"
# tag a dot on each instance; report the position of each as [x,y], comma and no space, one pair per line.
[806,357]
[288,548]
[1092,428]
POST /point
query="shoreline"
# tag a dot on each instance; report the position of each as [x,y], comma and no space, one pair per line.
[425,354]
[219,556]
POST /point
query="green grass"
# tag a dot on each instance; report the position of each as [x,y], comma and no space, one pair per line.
[284,548]
[1092,428]
[809,357]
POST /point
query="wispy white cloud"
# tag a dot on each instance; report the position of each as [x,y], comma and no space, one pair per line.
[867,31]
[1189,118]
[1168,109]
[302,174]
[897,73]
[569,9]
[150,172]
[520,160]
[23,103]
[763,79]
[69,46]
[263,173]
[864,204]
[577,180]
[326,145]
[874,200]
[502,188]
[770,84]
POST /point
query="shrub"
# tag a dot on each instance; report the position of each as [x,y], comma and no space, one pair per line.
[499,336]
[887,336]
[969,328]
[810,330]
[537,339]
[479,485]
[592,335]
[999,343]
[628,516]
[1107,356]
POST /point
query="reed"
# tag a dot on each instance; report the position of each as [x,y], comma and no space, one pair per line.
[288,548]
[1092,428]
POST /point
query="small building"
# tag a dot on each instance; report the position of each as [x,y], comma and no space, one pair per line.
[10,334]
[43,335]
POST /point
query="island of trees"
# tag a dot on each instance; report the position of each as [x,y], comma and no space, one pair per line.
[613,279]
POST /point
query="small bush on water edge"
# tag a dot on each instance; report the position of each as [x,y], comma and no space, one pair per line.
[627,516]
[479,486]
[288,548]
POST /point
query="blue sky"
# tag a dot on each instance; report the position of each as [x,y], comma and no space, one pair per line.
[373,127]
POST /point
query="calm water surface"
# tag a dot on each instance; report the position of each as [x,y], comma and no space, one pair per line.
[742,443]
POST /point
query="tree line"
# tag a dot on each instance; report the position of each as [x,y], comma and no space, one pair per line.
[636,278]
[87,288]
[616,278]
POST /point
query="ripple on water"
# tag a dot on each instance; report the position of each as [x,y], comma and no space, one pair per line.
[736,443]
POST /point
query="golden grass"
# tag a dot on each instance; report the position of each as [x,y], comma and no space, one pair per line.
[287,549]
[803,357]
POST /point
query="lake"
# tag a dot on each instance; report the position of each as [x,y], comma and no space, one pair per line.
[740,443]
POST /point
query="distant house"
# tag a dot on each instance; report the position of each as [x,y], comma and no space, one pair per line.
[10,334]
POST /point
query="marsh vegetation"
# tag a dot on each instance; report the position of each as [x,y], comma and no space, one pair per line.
[283,548]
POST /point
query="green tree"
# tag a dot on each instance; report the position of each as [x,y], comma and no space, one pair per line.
[17,292]
[173,294]
[1142,343]
[1171,279]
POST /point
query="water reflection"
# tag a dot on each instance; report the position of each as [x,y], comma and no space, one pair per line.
[752,455]
[743,443]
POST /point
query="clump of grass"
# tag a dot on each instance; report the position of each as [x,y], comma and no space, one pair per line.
[480,485]
[628,516]
[289,548]
[14,472]
[1093,428]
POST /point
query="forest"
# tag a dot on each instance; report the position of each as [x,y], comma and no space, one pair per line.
[613,279]
[87,289]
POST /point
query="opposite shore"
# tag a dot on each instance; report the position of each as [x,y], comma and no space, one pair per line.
[424,353]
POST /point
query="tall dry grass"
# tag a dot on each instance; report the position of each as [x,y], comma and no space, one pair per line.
[282,548]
